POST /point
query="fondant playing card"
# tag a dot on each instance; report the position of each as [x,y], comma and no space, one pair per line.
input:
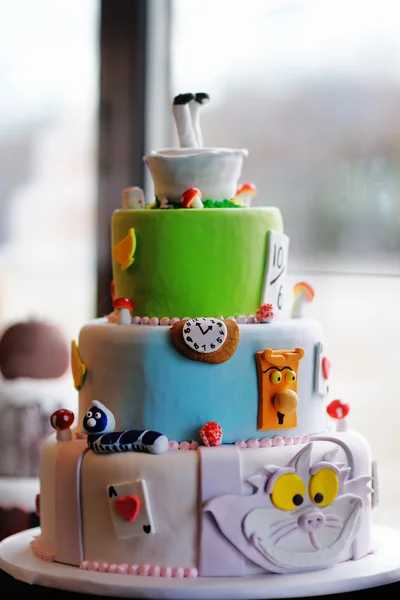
[130,509]
[275,273]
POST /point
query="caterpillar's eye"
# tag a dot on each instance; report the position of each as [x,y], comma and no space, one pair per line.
[89,414]
[290,376]
[276,377]
[288,492]
[323,487]
[97,416]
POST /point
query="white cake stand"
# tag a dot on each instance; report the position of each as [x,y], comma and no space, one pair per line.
[377,569]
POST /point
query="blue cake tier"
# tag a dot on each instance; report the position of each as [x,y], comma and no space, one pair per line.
[138,374]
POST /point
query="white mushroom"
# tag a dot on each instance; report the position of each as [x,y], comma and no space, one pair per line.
[133,197]
[200,99]
[183,120]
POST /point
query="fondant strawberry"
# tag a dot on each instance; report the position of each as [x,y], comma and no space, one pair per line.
[265,313]
[211,434]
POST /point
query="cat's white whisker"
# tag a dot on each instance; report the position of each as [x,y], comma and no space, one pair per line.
[294,528]
[282,528]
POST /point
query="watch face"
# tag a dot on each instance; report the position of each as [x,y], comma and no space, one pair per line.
[204,334]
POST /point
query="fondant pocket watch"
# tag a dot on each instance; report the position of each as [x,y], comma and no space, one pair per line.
[206,339]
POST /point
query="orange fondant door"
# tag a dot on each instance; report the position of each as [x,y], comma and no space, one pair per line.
[277,372]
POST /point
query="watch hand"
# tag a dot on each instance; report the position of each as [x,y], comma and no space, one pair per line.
[201,329]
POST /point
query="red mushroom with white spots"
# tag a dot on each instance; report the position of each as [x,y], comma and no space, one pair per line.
[61,421]
[244,194]
[339,410]
[191,198]
[124,308]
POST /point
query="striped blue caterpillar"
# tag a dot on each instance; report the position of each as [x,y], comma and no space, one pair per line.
[99,424]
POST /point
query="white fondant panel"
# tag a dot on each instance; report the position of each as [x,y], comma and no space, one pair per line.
[172,488]
[48,463]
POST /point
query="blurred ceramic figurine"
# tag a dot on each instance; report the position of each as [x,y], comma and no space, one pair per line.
[34,381]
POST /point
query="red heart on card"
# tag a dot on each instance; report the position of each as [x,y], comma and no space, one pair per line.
[128,507]
[326,367]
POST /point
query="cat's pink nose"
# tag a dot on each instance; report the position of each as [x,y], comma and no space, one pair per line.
[311,521]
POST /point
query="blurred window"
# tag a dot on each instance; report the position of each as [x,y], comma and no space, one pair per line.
[48,178]
[312,89]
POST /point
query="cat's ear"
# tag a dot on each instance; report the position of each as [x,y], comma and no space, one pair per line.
[301,462]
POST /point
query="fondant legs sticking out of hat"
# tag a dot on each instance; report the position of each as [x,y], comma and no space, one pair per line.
[186,111]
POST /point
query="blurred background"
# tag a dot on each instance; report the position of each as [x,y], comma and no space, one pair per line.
[310,87]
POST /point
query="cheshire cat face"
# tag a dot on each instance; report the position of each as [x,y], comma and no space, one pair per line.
[302,516]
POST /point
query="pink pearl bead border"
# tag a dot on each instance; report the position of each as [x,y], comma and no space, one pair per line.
[273,442]
[40,552]
[141,570]
[253,443]
[172,445]
[166,321]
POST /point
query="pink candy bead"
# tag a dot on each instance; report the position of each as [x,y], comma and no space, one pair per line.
[184,446]
[241,319]
[191,572]
[166,572]
[112,568]
[133,569]
[298,439]
[122,569]
[278,441]
[265,442]
[135,320]
[155,571]
[305,439]
[93,566]
[164,321]
[84,565]
[178,572]
[241,444]
[194,445]
[252,319]
[288,441]
[144,570]
[154,321]
[172,445]
[174,320]
[103,567]
[253,443]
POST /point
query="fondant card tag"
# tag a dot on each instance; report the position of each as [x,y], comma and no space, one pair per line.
[275,273]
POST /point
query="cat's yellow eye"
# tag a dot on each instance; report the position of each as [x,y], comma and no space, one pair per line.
[288,492]
[323,487]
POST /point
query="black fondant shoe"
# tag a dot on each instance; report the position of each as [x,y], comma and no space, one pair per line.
[183,98]
[202,97]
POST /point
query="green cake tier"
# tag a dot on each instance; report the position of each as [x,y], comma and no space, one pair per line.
[193,262]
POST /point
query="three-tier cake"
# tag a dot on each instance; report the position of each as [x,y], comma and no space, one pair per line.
[203,446]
